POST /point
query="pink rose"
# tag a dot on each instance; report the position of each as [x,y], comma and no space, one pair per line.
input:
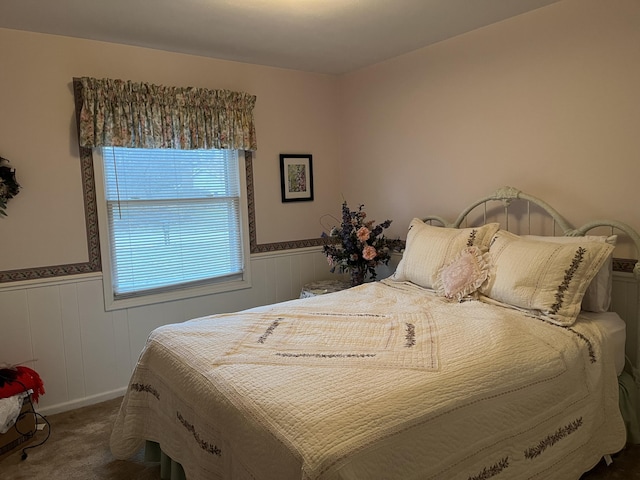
[369,252]
[363,234]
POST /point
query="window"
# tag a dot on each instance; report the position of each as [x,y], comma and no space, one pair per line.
[171,223]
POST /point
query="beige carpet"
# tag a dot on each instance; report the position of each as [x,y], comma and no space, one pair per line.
[78,449]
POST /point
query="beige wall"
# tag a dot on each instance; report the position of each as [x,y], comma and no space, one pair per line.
[548,102]
[295,113]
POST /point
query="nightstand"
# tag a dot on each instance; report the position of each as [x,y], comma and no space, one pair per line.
[323,286]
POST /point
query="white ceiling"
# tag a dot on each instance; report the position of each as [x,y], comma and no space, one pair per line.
[324,36]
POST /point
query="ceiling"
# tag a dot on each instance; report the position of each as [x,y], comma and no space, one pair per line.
[323,36]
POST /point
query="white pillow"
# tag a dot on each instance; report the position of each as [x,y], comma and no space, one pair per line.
[597,298]
[548,279]
[429,248]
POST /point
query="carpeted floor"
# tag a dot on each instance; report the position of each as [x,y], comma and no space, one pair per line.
[78,449]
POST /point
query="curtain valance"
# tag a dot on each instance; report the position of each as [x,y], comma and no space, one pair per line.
[140,115]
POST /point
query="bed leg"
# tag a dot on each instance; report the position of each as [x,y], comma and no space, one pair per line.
[608,460]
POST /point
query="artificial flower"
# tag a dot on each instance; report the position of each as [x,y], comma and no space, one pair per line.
[357,246]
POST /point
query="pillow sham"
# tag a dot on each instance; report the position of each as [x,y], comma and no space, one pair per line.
[548,279]
[428,248]
[597,298]
[464,275]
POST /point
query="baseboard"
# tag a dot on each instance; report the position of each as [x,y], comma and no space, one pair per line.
[82,402]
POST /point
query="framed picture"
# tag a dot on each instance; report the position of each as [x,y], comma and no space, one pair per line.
[296,177]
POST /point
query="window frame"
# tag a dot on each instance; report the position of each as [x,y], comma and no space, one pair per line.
[175,292]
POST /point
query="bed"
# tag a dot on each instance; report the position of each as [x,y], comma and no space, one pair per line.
[487,353]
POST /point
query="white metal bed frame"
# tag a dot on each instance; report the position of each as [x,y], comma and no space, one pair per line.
[507,195]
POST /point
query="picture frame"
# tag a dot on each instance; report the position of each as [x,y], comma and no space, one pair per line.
[296,177]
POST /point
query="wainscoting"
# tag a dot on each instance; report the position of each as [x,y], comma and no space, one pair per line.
[85,354]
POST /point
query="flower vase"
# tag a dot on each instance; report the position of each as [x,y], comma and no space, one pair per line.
[357,276]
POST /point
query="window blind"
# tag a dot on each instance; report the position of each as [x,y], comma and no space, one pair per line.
[174,217]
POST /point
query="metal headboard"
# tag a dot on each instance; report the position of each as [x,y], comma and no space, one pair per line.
[507,195]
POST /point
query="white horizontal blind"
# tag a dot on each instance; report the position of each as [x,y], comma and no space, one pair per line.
[174,217]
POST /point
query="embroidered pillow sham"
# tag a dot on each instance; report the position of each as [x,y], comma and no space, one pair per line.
[429,248]
[597,298]
[549,279]
[464,275]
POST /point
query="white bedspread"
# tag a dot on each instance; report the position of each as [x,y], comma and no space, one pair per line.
[382,381]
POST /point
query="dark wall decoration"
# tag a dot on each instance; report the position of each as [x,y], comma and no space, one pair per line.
[9,186]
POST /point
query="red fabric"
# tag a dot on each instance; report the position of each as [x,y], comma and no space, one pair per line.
[19,378]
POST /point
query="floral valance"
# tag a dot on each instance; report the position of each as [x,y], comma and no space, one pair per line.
[140,115]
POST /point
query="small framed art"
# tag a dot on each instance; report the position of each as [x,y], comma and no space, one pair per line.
[296,177]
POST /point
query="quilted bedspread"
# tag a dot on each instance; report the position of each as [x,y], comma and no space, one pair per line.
[381,381]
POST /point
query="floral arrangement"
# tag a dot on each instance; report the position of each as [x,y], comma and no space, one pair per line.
[9,186]
[357,246]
